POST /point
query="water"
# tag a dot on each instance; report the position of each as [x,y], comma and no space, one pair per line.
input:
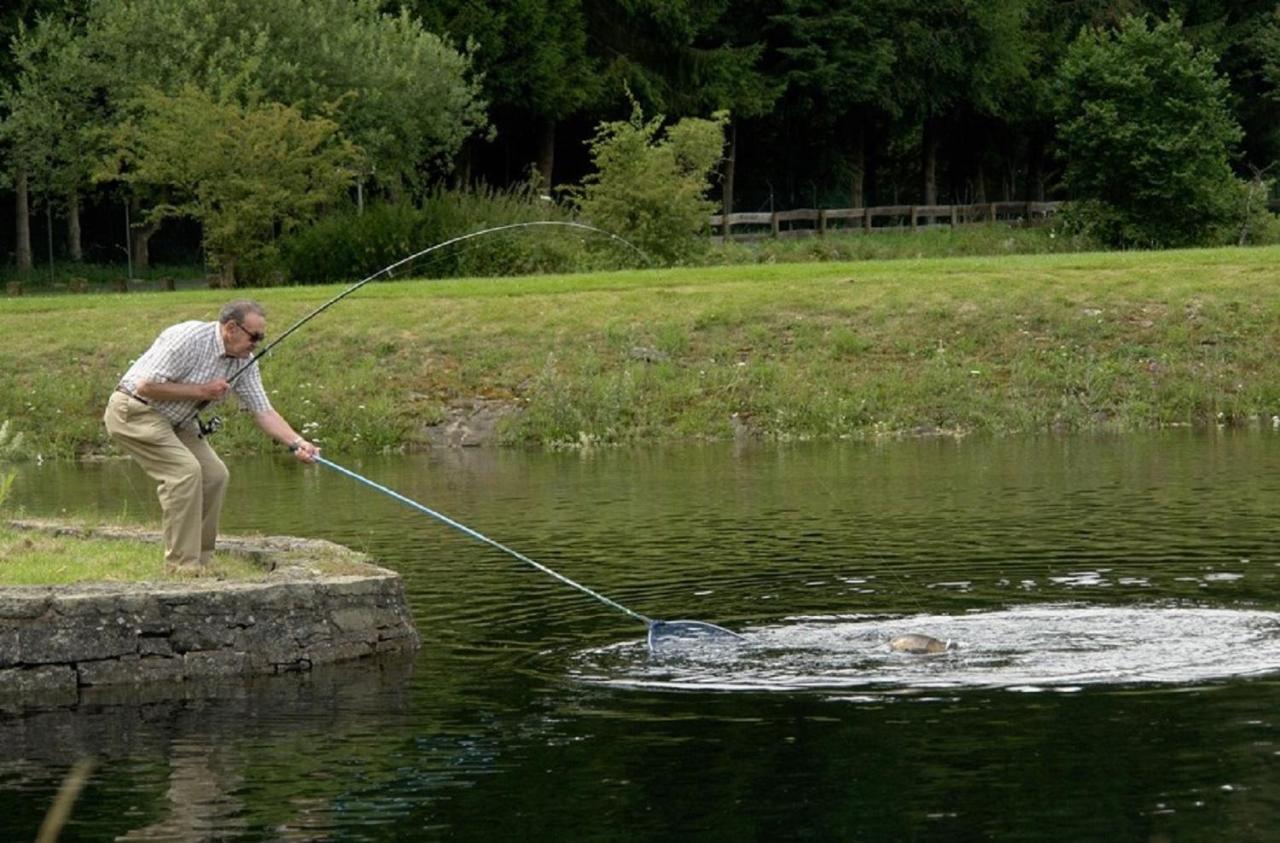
[1114,603]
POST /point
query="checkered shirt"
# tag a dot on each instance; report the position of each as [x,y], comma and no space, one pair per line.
[192,352]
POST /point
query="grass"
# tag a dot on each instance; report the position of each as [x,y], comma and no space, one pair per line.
[997,345]
[30,557]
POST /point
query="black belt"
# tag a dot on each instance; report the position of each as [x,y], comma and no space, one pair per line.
[131,395]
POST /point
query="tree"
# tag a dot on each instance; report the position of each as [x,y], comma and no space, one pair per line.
[246,173]
[400,94]
[532,56]
[839,59]
[50,108]
[1147,135]
[651,186]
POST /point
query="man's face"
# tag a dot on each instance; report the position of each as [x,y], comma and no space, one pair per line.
[242,338]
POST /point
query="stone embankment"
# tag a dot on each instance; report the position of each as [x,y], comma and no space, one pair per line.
[55,640]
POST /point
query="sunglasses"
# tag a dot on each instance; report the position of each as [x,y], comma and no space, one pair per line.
[254,336]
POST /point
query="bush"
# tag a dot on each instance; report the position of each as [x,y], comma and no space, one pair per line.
[350,245]
[1147,135]
[651,190]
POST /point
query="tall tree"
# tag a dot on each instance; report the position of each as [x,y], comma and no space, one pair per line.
[532,56]
[953,56]
[838,63]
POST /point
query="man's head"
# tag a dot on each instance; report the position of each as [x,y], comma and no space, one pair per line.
[243,324]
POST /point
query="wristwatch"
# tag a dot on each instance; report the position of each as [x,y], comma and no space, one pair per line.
[295,445]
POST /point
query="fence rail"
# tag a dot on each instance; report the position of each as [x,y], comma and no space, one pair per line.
[808,222]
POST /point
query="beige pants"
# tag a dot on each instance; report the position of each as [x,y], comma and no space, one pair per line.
[193,480]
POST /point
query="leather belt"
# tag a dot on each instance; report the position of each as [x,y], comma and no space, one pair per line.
[131,395]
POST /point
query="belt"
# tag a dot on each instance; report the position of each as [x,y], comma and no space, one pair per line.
[131,395]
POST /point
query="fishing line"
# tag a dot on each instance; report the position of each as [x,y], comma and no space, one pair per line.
[214,424]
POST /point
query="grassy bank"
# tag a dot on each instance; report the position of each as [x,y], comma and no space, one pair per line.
[30,557]
[1010,344]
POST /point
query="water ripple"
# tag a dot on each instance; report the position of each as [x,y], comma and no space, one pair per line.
[1054,646]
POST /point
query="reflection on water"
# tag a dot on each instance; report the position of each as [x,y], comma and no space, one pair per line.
[1135,576]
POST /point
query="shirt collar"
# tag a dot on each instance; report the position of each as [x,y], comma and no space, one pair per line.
[217,339]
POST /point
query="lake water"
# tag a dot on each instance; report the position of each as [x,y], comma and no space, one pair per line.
[1114,604]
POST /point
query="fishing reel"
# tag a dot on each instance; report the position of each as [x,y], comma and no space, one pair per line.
[210,427]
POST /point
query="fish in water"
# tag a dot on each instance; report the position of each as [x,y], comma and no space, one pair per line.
[919,644]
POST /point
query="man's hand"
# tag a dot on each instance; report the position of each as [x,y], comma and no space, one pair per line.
[214,389]
[304,450]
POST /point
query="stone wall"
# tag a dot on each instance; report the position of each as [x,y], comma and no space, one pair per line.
[55,640]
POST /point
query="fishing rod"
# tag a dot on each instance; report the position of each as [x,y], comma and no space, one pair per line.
[215,423]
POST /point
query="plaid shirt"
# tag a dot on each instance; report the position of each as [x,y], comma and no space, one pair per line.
[192,352]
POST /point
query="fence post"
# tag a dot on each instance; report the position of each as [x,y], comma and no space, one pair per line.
[954,219]
[913,217]
[822,222]
[866,220]
[991,212]
[773,223]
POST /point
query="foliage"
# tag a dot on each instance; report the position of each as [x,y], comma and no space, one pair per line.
[396,91]
[1147,136]
[350,245]
[532,54]
[651,186]
[245,172]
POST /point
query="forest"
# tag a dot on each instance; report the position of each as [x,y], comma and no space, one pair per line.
[216,131]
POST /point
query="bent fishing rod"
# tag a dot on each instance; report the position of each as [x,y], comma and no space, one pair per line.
[214,424]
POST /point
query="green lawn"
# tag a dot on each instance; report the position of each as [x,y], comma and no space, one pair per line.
[1093,341]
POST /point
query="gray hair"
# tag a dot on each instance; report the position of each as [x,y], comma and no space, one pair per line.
[236,311]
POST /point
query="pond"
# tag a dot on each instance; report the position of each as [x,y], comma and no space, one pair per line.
[1112,601]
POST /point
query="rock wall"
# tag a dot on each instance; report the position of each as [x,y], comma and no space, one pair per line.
[57,639]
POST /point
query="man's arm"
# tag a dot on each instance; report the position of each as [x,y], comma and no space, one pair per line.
[274,425]
[164,391]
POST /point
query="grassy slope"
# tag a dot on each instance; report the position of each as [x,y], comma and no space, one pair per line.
[1009,344]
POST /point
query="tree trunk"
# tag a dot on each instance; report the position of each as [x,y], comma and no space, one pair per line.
[730,171]
[929,160]
[979,184]
[74,245]
[858,164]
[1035,166]
[546,154]
[227,274]
[140,237]
[22,221]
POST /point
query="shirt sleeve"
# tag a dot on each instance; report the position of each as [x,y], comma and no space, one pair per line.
[249,391]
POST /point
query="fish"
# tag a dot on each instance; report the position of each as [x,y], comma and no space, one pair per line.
[919,644]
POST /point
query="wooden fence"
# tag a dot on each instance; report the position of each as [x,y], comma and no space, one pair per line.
[808,222]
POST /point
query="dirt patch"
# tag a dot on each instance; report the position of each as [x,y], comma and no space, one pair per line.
[471,423]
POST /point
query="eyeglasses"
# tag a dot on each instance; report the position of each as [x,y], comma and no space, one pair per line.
[254,336]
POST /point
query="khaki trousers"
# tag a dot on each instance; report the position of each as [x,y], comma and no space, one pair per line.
[193,480]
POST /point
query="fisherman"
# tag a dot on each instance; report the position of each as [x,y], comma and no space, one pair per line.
[152,414]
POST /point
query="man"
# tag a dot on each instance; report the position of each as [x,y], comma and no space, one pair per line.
[151,415]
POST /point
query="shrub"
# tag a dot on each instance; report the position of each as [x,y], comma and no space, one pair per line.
[1147,135]
[350,245]
[652,190]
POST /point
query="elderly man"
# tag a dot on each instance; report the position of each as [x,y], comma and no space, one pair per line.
[151,415]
